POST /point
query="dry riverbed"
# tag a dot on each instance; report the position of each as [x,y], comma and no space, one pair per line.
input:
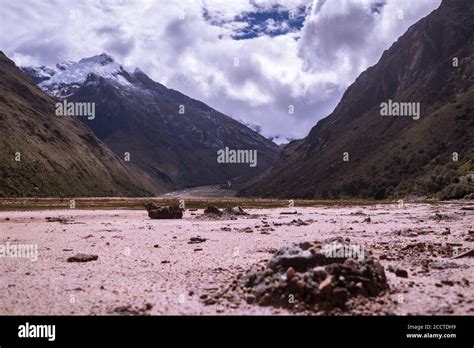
[157,267]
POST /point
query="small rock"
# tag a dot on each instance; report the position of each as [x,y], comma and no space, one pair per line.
[299,222]
[265,300]
[350,262]
[325,285]
[235,211]
[250,299]
[340,296]
[319,272]
[290,273]
[82,258]
[212,209]
[399,272]
[447,282]
[196,240]
[446,231]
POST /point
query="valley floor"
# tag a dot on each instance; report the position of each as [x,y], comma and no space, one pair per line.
[153,267]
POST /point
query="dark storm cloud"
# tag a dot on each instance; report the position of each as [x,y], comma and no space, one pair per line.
[46,51]
[180,35]
[120,47]
[117,42]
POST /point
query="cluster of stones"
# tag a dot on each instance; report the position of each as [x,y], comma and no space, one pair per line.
[302,276]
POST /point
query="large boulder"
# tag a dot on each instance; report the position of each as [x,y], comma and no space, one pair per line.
[212,210]
[229,211]
[164,212]
[235,211]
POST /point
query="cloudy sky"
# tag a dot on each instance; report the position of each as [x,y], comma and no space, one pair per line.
[254,60]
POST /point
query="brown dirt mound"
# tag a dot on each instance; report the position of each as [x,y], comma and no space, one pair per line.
[309,276]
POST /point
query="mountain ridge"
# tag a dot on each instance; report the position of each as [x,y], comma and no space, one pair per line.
[170,136]
[43,155]
[390,157]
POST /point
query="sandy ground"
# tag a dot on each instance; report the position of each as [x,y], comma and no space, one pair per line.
[148,267]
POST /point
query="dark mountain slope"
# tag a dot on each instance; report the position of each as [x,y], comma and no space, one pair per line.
[137,115]
[394,156]
[59,156]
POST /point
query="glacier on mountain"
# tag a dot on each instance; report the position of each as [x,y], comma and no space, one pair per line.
[62,80]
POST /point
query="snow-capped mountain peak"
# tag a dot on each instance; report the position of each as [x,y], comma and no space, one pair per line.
[63,79]
[102,59]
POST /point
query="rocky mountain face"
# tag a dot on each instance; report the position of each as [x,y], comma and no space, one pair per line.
[167,135]
[44,155]
[357,152]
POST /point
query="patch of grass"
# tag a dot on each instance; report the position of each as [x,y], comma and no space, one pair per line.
[10,204]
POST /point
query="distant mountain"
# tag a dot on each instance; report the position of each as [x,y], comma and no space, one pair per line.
[171,137]
[42,154]
[357,152]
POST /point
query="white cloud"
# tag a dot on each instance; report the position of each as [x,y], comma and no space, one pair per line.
[175,45]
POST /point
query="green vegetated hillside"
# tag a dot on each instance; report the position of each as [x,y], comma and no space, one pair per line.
[58,156]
